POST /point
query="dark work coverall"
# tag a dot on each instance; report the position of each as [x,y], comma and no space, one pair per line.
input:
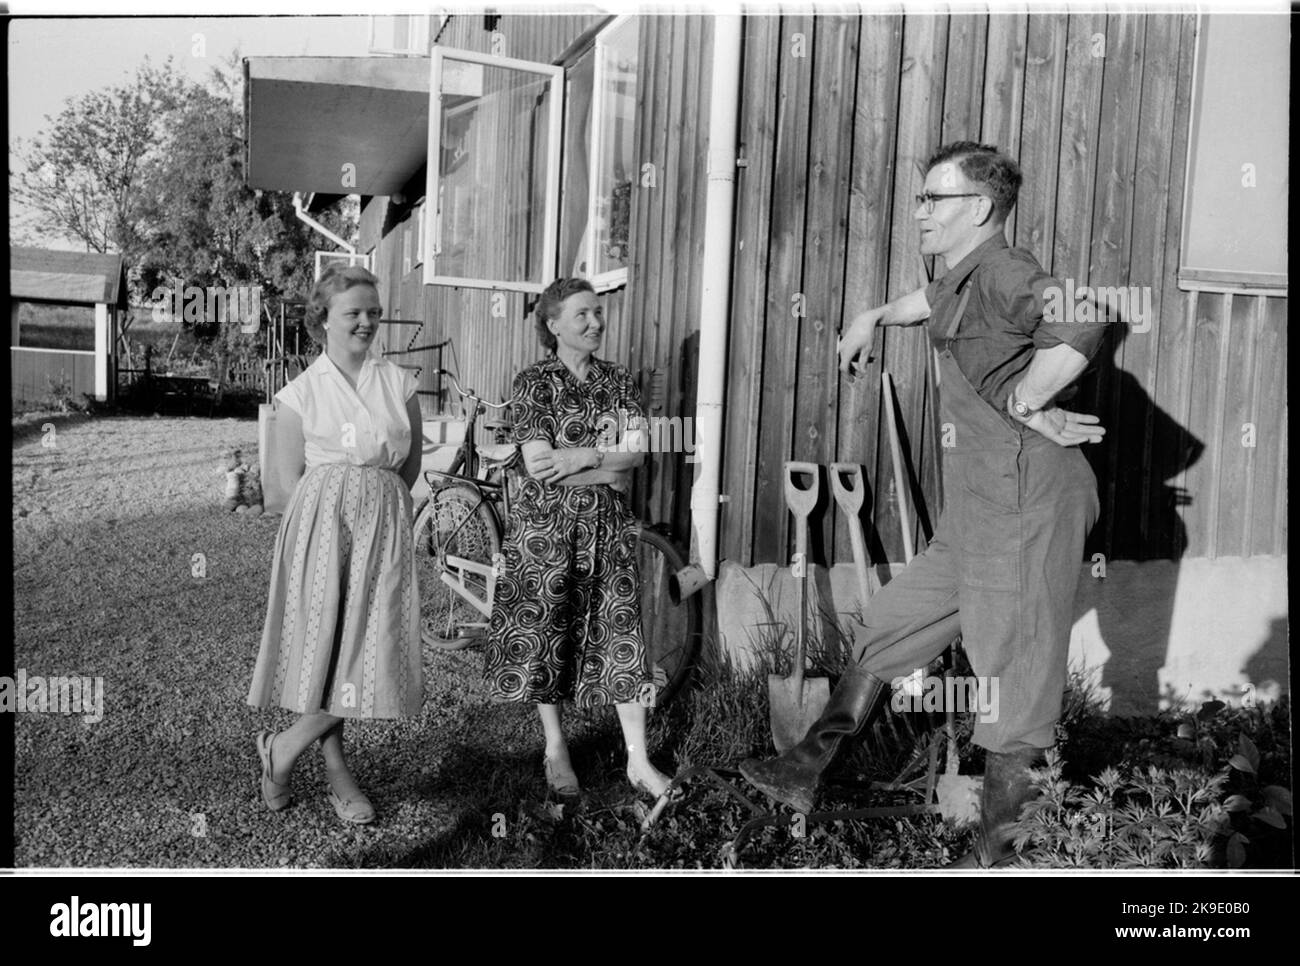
[1004,562]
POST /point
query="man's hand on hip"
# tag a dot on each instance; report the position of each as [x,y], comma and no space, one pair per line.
[1066,428]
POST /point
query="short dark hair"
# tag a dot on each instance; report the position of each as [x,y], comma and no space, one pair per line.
[552,300]
[335,279]
[985,165]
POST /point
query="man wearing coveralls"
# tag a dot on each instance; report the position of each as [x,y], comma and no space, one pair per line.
[1004,562]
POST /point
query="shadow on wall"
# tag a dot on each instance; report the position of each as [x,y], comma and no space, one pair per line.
[1142,522]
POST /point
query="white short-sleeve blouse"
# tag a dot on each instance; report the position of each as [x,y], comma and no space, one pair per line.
[366,426]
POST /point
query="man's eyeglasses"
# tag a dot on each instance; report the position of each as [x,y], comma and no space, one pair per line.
[929,198]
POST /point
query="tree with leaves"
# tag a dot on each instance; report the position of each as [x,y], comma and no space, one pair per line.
[154,169]
[81,179]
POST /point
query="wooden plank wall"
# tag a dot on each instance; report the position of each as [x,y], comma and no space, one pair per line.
[667,228]
[34,373]
[837,115]
[1095,106]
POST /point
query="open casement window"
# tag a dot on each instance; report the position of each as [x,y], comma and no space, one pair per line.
[504,214]
[326,258]
[493,172]
[1234,232]
[599,167]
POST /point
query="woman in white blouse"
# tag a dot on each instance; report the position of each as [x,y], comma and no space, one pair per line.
[342,632]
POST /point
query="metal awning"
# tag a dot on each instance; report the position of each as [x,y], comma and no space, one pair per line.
[308,117]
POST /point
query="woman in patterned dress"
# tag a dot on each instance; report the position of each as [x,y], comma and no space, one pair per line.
[342,632]
[566,620]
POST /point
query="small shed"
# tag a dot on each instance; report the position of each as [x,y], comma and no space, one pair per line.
[65,310]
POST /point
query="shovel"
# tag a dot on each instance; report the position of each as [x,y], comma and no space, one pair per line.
[849,490]
[795,702]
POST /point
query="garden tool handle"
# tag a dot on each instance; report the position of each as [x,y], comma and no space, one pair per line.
[801,591]
[801,502]
[850,499]
[896,451]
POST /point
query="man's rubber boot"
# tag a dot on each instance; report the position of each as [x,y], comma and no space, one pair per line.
[1007,787]
[792,778]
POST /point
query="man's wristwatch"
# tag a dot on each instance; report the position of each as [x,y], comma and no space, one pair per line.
[600,458]
[1019,408]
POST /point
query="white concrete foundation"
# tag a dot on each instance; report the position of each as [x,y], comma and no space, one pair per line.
[1145,633]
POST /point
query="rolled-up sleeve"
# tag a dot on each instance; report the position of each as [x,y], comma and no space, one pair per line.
[1046,310]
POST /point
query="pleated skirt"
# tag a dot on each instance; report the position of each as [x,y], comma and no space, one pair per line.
[342,631]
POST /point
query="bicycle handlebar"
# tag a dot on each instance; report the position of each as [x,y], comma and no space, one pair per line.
[469,394]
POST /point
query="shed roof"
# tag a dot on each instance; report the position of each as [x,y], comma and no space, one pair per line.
[77,277]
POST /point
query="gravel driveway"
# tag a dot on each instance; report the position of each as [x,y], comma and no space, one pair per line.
[109,513]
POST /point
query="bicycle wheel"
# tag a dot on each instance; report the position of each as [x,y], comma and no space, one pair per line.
[454,522]
[671,630]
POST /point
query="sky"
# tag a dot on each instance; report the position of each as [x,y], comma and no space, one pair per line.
[51,60]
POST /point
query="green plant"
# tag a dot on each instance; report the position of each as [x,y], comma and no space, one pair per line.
[1200,792]
[1255,808]
[1155,819]
[61,394]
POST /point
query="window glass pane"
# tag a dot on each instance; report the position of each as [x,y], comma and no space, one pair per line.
[577,167]
[1235,223]
[323,260]
[492,172]
[615,166]
[43,326]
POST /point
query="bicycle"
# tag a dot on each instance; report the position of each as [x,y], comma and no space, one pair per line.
[458,538]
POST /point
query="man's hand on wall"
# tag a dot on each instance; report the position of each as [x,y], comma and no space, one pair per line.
[858,340]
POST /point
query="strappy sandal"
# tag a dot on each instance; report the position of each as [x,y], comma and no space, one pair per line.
[276,796]
[561,778]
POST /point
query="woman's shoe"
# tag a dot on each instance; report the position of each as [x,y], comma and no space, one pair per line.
[354,811]
[641,785]
[275,795]
[560,776]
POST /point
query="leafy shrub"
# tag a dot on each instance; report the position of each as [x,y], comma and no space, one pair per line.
[1194,796]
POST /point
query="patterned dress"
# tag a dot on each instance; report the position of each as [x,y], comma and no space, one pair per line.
[342,631]
[566,618]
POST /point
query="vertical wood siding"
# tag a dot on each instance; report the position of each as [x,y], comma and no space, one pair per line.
[1096,107]
[837,115]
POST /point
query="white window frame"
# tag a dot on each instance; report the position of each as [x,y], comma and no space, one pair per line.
[419,24]
[353,258]
[419,235]
[550,216]
[1211,279]
[616,278]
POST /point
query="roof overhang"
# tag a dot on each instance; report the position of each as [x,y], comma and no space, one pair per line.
[76,278]
[310,117]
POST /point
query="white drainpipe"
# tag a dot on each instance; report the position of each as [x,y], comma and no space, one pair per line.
[313,223]
[715,300]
